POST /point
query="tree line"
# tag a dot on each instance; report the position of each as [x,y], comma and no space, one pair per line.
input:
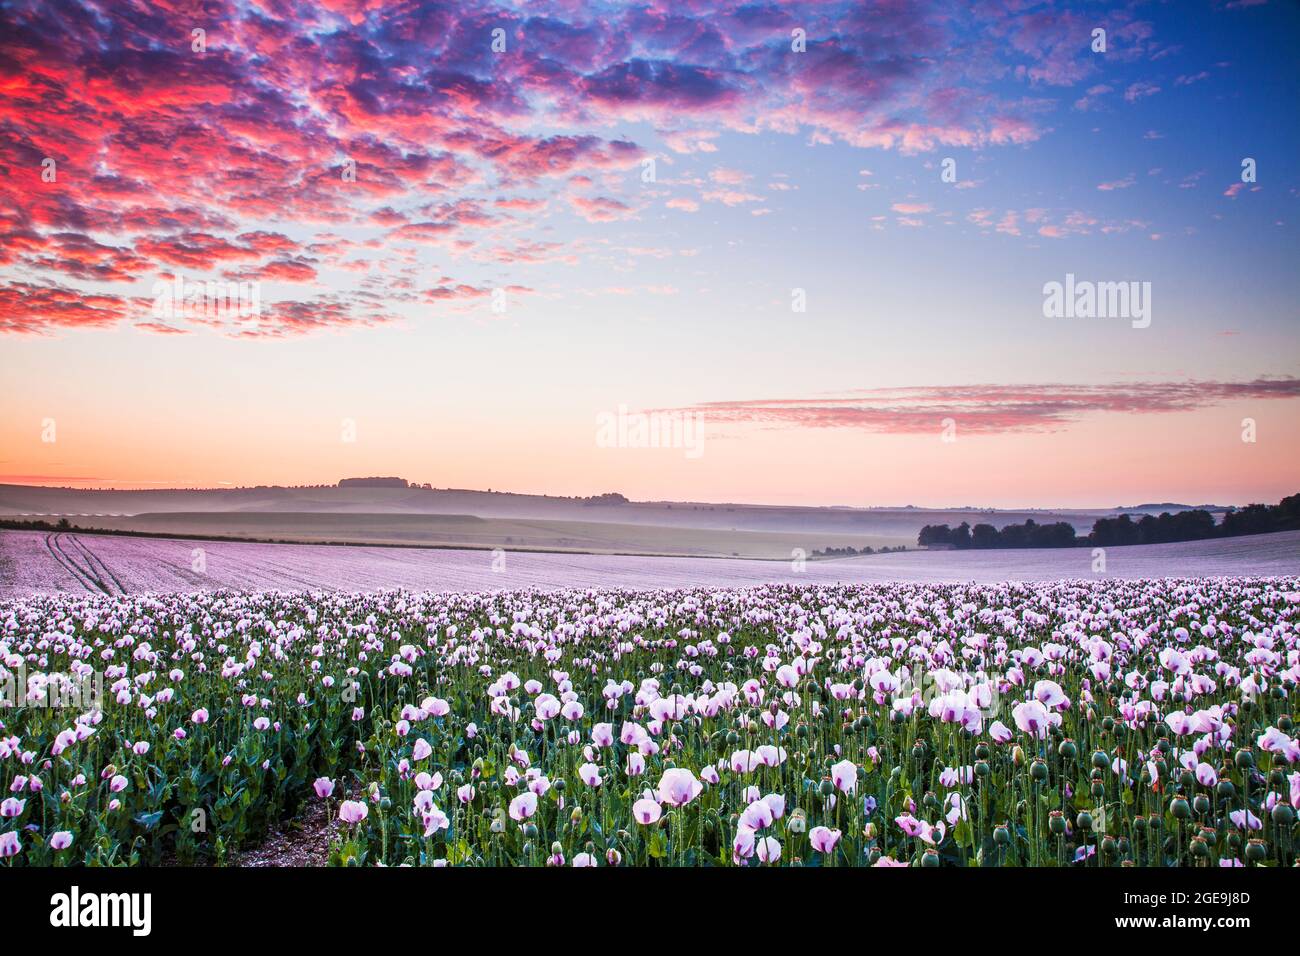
[1191,525]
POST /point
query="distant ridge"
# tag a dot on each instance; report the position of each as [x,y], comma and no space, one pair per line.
[373,483]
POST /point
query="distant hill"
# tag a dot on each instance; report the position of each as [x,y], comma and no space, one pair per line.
[372,483]
[1171,507]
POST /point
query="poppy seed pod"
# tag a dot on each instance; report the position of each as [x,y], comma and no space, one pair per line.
[930,858]
[930,801]
[1108,846]
[1283,815]
[530,831]
[1201,804]
[1244,759]
[1068,750]
[1256,851]
[981,751]
[1001,835]
[1140,825]
[1284,723]
[1056,822]
[1180,808]
[1038,770]
[982,768]
[1225,789]
[1083,821]
[1100,760]
[826,788]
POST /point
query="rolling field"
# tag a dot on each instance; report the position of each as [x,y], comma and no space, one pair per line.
[34,562]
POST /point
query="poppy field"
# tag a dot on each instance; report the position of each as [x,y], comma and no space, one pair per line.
[1074,723]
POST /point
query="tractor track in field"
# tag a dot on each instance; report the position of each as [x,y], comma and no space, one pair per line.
[89,574]
[93,561]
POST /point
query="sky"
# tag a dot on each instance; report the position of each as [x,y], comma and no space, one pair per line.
[466,235]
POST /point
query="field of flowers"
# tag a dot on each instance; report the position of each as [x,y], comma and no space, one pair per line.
[1061,724]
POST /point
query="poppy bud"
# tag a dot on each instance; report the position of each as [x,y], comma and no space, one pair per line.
[1018,756]
[576,816]
[869,831]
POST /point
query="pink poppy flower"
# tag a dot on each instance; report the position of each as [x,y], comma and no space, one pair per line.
[523,806]
[646,811]
[845,776]
[678,787]
[353,811]
[823,839]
